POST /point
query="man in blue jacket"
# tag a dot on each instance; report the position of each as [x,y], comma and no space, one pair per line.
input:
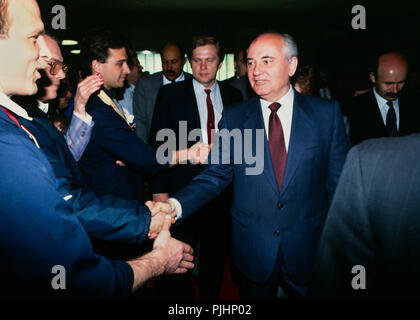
[39,233]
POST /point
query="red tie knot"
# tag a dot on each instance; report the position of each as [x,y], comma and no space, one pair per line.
[207,91]
[274,106]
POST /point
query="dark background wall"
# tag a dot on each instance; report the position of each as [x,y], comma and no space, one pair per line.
[322,29]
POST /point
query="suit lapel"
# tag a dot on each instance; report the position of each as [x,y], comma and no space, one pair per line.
[301,136]
[192,115]
[254,120]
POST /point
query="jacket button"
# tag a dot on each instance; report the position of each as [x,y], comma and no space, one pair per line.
[280,205]
[277,233]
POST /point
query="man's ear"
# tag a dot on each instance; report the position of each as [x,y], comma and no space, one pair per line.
[96,67]
[372,77]
[293,63]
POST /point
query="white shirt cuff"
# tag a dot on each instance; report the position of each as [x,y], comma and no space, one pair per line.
[178,208]
[86,119]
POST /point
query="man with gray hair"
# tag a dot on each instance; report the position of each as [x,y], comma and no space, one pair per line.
[277,216]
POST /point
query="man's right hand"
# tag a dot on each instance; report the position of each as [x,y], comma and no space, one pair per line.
[177,256]
[85,88]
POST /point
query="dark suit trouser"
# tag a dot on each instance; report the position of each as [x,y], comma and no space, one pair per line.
[251,290]
[214,227]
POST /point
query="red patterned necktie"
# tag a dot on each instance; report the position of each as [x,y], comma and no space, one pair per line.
[276,143]
[210,117]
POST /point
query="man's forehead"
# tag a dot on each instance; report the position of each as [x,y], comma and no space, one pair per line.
[25,17]
[267,45]
[117,54]
[51,49]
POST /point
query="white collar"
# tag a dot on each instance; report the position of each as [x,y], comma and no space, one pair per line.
[286,100]
[43,106]
[6,102]
[198,87]
[180,78]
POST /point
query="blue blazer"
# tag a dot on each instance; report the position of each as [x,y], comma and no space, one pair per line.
[113,139]
[105,218]
[38,230]
[268,224]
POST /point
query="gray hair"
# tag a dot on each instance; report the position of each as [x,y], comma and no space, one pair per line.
[290,48]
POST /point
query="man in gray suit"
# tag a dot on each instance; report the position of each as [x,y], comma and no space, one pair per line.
[370,246]
[147,88]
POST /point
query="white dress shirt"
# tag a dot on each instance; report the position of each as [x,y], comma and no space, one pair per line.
[383,108]
[180,78]
[216,99]
[285,113]
[126,102]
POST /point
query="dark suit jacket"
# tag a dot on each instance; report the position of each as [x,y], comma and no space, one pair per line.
[112,139]
[144,100]
[105,218]
[175,103]
[374,221]
[365,119]
[264,220]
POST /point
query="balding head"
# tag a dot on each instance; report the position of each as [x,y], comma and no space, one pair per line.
[390,76]
[173,61]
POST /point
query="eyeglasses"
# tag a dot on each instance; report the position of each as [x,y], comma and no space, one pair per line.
[56,66]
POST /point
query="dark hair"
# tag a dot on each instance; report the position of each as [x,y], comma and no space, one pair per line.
[238,52]
[200,41]
[95,45]
[4,21]
[175,44]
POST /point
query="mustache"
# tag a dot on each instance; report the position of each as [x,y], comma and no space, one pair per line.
[169,72]
[391,94]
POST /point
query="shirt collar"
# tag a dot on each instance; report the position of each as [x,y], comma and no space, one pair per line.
[180,78]
[6,102]
[381,101]
[286,100]
[43,106]
[198,87]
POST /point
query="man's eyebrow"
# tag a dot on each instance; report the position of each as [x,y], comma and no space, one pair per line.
[267,57]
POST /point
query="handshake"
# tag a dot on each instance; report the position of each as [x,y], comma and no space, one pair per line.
[159,212]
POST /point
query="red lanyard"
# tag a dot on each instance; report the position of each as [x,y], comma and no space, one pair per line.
[13,118]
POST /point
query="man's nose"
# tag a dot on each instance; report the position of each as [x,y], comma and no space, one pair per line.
[126,68]
[395,88]
[203,65]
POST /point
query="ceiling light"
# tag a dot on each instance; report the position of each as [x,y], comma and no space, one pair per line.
[75,51]
[69,42]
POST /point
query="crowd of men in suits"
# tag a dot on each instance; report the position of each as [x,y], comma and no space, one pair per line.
[79,201]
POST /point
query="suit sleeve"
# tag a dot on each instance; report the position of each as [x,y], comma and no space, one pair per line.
[107,218]
[213,180]
[346,240]
[113,135]
[39,230]
[339,147]
[78,136]
[140,111]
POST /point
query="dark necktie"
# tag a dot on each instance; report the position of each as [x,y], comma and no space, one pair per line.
[391,121]
[210,117]
[277,143]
